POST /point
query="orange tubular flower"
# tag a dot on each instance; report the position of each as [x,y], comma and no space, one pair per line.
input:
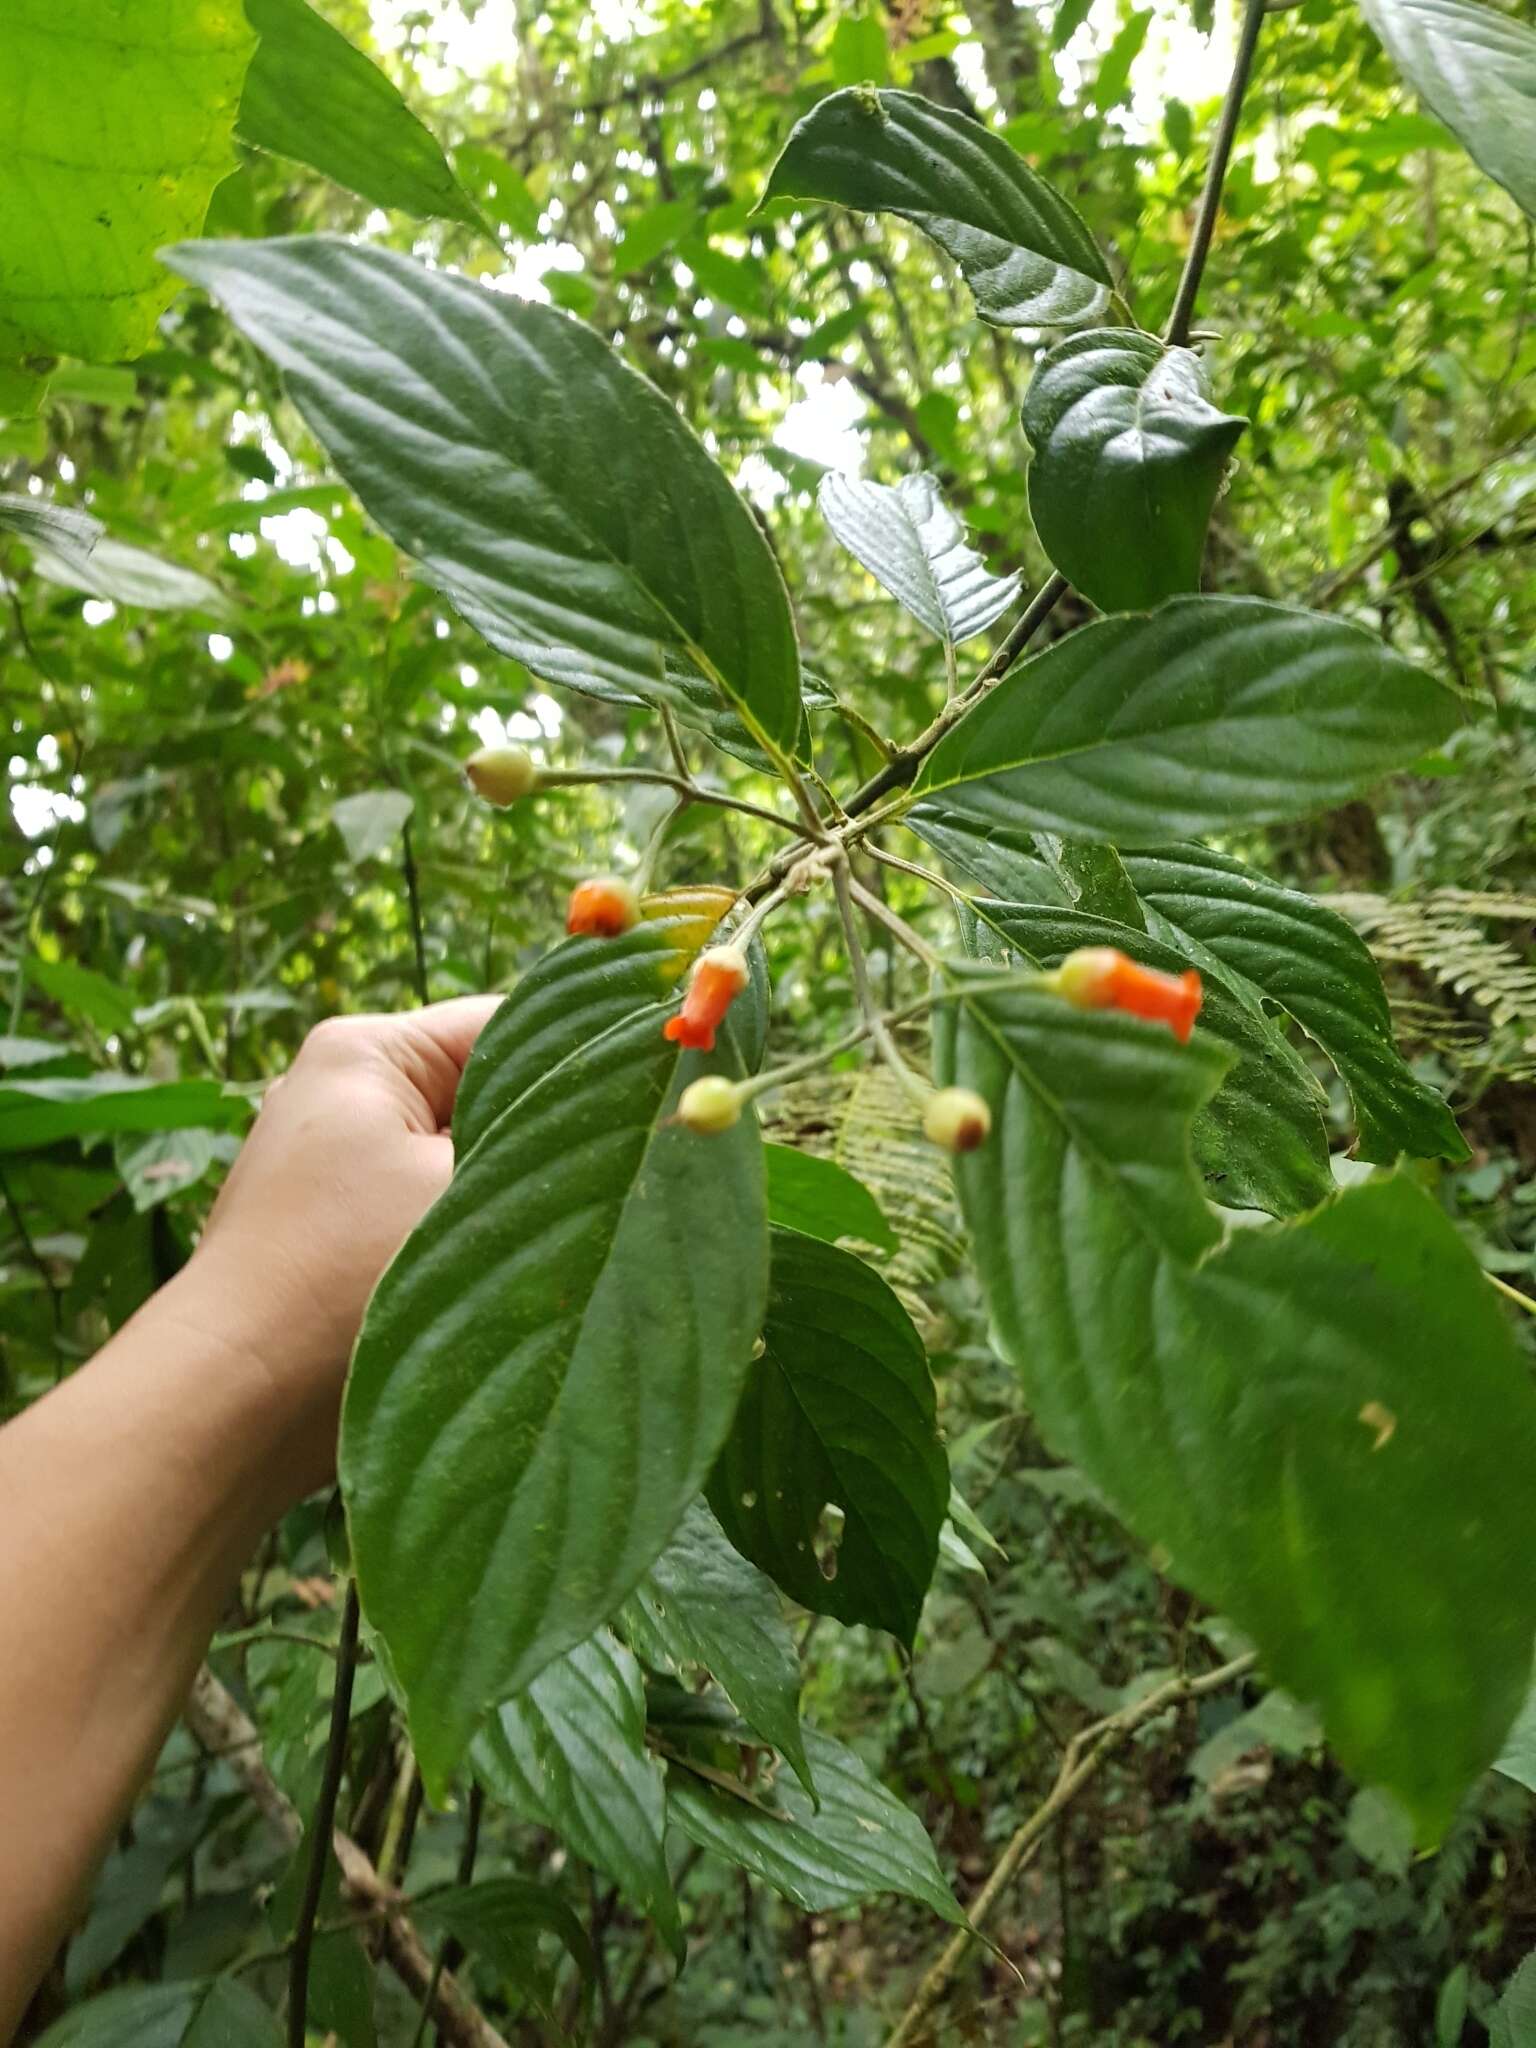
[1100,978]
[719,976]
[604,908]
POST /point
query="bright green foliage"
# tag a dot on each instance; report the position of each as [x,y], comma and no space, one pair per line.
[701,1603]
[310,95]
[44,1111]
[553,494]
[1260,1141]
[907,537]
[856,1843]
[1272,944]
[822,1199]
[1210,712]
[147,90]
[1129,454]
[570,1753]
[1022,248]
[1476,68]
[838,1411]
[547,1370]
[1301,1477]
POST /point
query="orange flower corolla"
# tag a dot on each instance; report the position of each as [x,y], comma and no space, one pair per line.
[719,976]
[1100,978]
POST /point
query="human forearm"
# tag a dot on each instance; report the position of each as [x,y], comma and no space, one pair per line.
[132,1496]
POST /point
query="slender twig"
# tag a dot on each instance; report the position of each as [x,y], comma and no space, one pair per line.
[413,898]
[1216,175]
[1086,1754]
[696,792]
[896,925]
[1513,1293]
[675,745]
[931,876]
[879,1030]
[261,1633]
[323,1820]
[39,1265]
[449,1953]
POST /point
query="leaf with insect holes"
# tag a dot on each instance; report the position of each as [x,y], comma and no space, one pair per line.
[547,488]
[908,539]
[1024,252]
[838,1412]
[1476,68]
[1129,454]
[547,1370]
[1208,712]
[1275,1413]
[311,96]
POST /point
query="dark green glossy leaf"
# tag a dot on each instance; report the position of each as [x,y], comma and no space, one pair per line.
[569,1753]
[553,493]
[548,1368]
[1270,943]
[311,96]
[1129,454]
[500,1920]
[908,539]
[1260,1141]
[1278,1417]
[1206,712]
[838,1411]
[1476,68]
[1004,857]
[822,1199]
[702,1603]
[858,1843]
[1024,252]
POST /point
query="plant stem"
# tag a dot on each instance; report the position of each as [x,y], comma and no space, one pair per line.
[413,898]
[879,1028]
[1513,1293]
[696,792]
[1216,175]
[1086,1753]
[897,926]
[448,1954]
[323,1820]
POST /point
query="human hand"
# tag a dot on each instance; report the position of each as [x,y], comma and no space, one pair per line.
[349,1151]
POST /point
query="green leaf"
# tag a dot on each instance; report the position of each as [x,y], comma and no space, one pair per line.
[858,1843]
[819,1198]
[1126,443]
[570,1754]
[1517,1758]
[837,1412]
[1378,1829]
[83,993]
[548,1368]
[167,1163]
[156,83]
[64,531]
[1476,69]
[311,96]
[858,51]
[1260,1141]
[702,1603]
[500,1920]
[371,821]
[1114,73]
[1207,712]
[133,2016]
[36,1113]
[908,539]
[1514,2019]
[1024,252]
[1276,1417]
[129,575]
[1276,945]
[554,495]
[232,2016]
[650,234]
[1004,857]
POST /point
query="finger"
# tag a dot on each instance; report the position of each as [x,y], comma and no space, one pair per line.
[430,1047]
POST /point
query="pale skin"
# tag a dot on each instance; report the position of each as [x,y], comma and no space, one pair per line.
[132,1496]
